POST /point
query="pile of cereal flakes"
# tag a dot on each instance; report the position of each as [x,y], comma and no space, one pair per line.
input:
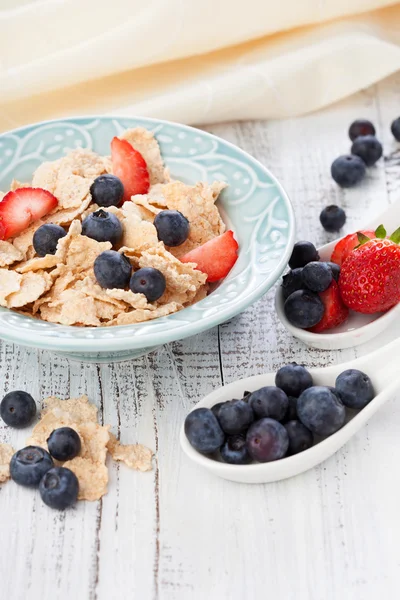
[62,288]
[96,441]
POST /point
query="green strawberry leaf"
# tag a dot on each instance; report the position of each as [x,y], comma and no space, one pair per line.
[363,239]
[380,232]
[395,237]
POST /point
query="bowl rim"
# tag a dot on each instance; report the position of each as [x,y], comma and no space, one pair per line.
[145,340]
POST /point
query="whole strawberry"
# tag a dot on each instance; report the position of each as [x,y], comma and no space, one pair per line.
[370,277]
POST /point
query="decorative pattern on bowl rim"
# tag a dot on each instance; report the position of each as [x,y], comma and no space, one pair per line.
[254,205]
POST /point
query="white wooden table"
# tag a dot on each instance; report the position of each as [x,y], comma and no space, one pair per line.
[177,533]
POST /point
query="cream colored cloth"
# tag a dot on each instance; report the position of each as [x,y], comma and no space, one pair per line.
[193,61]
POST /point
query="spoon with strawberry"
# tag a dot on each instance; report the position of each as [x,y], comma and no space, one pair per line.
[363,298]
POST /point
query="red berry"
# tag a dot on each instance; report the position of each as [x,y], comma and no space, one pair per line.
[335,311]
[370,277]
[22,207]
[130,166]
[347,245]
[216,257]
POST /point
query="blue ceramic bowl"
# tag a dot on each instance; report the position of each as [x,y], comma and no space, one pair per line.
[254,205]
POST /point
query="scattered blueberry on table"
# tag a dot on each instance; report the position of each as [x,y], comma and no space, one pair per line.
[277,421]
[29,464]
[361,127]
[18,409]
[332,218]
[368,148]
[395,128]
[64,443]
[59,488]
[348,170]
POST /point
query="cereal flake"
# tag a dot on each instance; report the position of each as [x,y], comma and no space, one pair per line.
[6,454]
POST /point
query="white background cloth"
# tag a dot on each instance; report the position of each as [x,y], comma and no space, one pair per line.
[194,61]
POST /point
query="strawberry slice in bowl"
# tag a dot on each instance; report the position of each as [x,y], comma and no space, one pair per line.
[22,207]
[216,257]
[130,167]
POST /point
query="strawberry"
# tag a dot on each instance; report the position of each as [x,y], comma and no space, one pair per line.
[22,207]
[335,311]
[347,245]
[216,257]
[369,280]
[130,166]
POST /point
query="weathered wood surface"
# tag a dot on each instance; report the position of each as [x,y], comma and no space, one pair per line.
[178,533]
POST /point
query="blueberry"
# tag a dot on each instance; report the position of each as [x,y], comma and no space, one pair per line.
[102,226]
[64,443]
[216,407]
[59,488]
[368,148]
[17,409]
[107,190]
[335,270]
[234,451]
[303,253]
[317,276]
[150,282]
[172,227]
[332,218]
[267,440]
[291,413]
[291,282]
[300,438]
[395,128]
[269,401]
[235,416]
[28,465]
[203,431]
[354,388]
[46,237]
[320,410]
[361,127]
[112,270]
[304,309]
[293,379]
[348,170]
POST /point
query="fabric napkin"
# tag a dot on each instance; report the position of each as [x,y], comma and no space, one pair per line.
[193,61]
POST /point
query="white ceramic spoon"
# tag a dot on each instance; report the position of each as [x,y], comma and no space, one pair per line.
[383,368]
[358,328]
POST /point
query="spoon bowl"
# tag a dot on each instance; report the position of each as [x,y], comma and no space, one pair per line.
[382,368]
[358,328]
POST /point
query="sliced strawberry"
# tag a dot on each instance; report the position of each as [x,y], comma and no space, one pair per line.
[216,257]
[22,207]
[335,311]
[130,166]
[347,245]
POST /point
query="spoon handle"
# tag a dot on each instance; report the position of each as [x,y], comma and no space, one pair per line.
[383,364]
[389,218]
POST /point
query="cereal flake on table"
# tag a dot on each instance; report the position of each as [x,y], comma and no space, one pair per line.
[6,453]
[96,442]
